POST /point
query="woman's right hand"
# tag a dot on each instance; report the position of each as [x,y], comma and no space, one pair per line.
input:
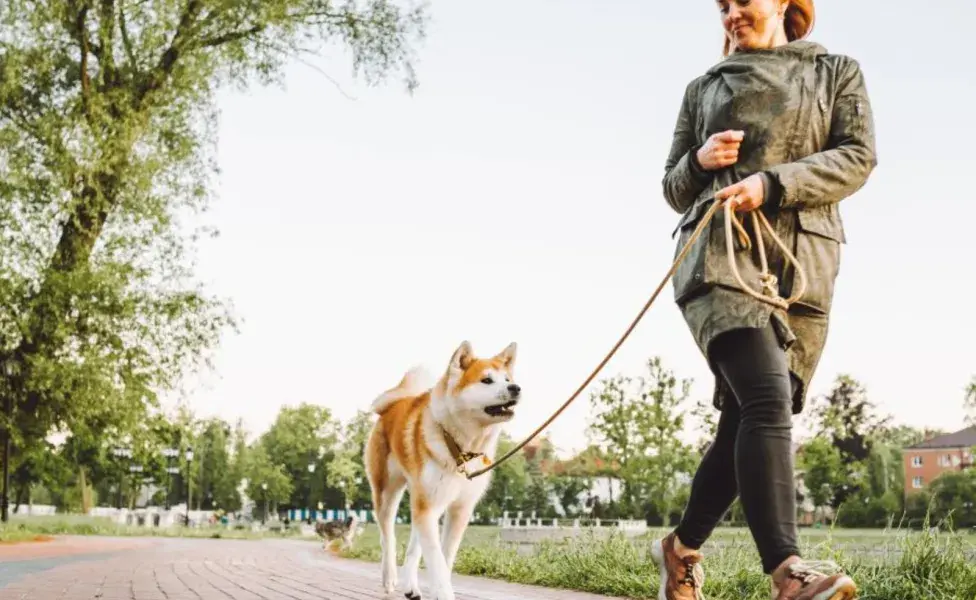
[720,150]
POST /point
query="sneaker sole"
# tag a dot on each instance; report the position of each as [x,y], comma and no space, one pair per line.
[657,555]
[844,589]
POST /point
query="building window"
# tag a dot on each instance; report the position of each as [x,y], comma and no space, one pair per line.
[916,461]
[945,460]
[916,482]
[956,460]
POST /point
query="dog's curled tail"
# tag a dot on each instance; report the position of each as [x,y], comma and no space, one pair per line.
[414,383]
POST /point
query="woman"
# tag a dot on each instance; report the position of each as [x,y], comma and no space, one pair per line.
[781,126]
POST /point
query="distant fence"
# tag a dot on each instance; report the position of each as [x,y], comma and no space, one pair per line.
[533,522]
[301,514]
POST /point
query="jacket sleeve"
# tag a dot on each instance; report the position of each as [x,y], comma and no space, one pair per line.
[840,170]
[684,178]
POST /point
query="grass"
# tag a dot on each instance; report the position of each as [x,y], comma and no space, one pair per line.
[900,566]
[25,529]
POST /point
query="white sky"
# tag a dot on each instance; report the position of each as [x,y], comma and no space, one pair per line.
[517,197]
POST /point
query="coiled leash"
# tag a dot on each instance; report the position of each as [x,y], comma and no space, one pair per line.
[768,293]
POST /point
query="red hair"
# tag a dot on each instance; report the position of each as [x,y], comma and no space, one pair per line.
[798,22]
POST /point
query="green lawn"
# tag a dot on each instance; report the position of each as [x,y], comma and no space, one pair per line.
[893,565]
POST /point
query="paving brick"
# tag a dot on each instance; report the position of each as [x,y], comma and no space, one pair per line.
[73,568]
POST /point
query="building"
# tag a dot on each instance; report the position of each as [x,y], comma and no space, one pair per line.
[925,461]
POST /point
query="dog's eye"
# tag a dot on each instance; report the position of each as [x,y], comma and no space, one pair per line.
[487,381]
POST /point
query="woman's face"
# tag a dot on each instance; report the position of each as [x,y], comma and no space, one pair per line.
[753,24]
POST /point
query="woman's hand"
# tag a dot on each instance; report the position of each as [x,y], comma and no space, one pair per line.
[720,150]
[746,195]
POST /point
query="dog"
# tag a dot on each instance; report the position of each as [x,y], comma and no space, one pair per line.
[423,439]
[344,530]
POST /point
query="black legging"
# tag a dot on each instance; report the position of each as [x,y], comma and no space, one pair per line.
[751,455]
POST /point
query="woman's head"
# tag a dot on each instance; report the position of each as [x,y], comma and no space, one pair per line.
[756,24]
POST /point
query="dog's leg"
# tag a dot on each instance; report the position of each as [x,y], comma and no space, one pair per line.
[386,517]
[425,522]
[455,522]
[411,566]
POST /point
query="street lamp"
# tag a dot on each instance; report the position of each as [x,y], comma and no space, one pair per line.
[264,492]
[9,370]
[311,470]
[189,459]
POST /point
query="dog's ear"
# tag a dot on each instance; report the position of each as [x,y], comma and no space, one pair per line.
[507,356]
[462,358]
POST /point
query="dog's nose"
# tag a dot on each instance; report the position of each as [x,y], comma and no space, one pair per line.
[514,389]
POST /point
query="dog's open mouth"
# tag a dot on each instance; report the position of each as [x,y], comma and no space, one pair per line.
[501,410]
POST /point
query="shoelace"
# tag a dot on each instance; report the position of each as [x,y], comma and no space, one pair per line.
[692,577]
[808,571]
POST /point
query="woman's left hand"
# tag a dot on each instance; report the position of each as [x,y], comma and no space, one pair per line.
[746,195]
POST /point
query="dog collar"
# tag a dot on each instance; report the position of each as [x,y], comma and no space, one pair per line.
[461,457]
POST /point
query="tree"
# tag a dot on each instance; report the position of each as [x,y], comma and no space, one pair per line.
[902,436]
[215,479]
[823,470]
[637,423]
[107,120]
[267,483]
[848,419]
[954,497]
[969,402]
[704,413]
[510,481]
[568,490]
[346,474]
[300,437]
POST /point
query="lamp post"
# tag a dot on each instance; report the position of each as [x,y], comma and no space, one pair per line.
[264,493]
[189,459]
[311,470]
[9,370]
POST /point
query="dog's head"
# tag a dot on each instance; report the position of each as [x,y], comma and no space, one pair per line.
[483,389]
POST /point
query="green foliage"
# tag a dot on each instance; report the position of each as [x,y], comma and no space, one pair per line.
[267,483]
[107,146]
[848,419]
[637,424]
[969,402]
[509,485]
[302,436]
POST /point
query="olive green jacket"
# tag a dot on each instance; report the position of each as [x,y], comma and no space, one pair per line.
[809,132]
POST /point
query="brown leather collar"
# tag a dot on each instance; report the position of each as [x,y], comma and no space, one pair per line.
[460,456]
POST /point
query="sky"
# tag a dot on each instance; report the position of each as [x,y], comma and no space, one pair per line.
[516,196]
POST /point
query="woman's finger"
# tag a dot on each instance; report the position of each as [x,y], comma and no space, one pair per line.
[729,191]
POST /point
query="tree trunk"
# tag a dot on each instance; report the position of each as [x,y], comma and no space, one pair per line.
[86,499]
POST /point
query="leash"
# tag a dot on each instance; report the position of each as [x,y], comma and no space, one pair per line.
[768,294]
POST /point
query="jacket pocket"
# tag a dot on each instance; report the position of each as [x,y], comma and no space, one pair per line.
[819,236]
[689,276]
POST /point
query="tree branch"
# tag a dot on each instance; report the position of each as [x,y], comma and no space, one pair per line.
[106,31]
[172,54]
[126,41]
[232,36]
[80,26]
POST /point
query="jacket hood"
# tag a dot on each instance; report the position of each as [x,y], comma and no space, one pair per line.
[796,48]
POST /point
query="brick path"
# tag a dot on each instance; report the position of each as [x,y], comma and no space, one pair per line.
[185,569]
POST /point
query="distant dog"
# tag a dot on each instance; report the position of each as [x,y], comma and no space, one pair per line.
[422,438]
[338,530]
